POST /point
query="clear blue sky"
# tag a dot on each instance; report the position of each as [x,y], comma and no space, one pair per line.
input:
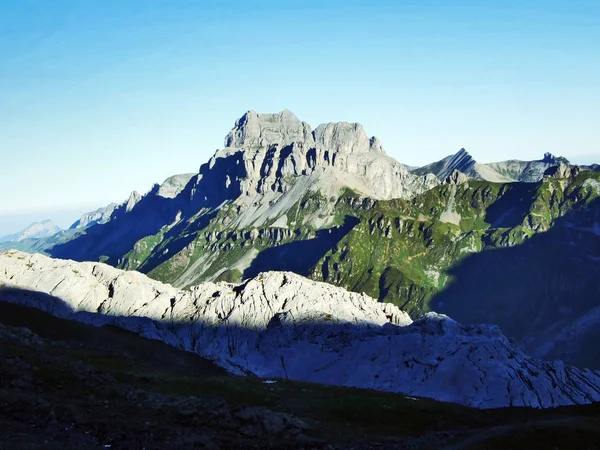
[101,97]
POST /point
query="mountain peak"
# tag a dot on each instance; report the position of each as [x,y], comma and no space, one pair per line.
[133,199]
[460,161]
[262,130]
[549,158]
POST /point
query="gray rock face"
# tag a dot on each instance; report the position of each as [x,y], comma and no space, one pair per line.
[534,170]
[133,199]
[456,177]
[283,325]
[274,154]
[99,216]
[173,186]
[460,161]
[526,171]
[263,130]
[562,171]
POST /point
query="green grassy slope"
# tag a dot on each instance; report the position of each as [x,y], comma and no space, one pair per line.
[405,252]
[210,246]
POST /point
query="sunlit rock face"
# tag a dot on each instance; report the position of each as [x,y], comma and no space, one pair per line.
[283,325]
[267,152]
[264,130]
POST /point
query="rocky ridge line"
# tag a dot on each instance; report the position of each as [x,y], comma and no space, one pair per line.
[283,325]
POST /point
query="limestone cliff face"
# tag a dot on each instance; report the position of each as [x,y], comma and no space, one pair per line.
[268,152]
[282,325]
[344,138]
[264,130]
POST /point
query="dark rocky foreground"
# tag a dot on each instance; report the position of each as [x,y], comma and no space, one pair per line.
[106,389]
[67,385]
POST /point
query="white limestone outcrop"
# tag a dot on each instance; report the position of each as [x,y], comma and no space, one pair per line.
[262,130]
[283,325]
[275,147]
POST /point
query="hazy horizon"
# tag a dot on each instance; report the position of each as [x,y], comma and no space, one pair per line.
[101,98]
[14,222]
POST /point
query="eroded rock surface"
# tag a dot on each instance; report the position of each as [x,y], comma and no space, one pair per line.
[267,153]
[562,171]
[283,325]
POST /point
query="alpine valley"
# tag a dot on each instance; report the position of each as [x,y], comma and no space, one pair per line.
[311,255]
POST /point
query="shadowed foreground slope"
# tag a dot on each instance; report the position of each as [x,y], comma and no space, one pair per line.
[283,325]
[66,385]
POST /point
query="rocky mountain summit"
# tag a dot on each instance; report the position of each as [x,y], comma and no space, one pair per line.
[283,325]
[172,186]
[562,171]
[461,161]
[497,172]
[262,130]
[273,150]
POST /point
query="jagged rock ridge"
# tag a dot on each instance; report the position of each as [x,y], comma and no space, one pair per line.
[272,149]
[170,188]
[562,171]
[283,325]
[460,161]
[498,172]
[98,216]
